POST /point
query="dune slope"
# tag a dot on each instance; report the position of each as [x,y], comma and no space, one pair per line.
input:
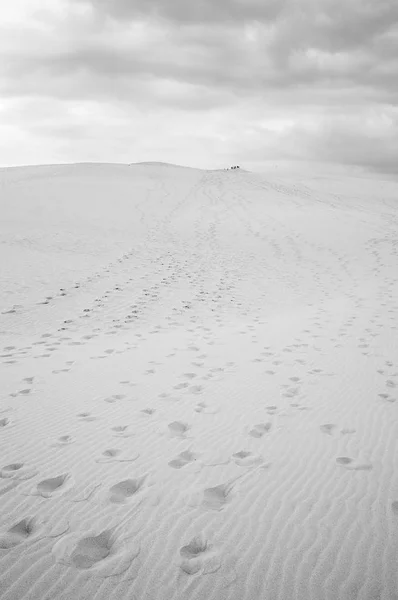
[199,385]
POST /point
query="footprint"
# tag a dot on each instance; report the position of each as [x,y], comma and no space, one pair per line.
[123,490]
[197,556]
[17,534]
[394,507]
[362,467]
[291,392]
[47,487]
[202,407]
[122,431]
[343,460]
[196,389]
[178,428]
[327,428]
[64,440]
[91,550]
[217,497]
[198,545]
[25,392]
[246,459]
[17,471]
[12,468]
[180,386]
[259,430]
[105,553]
[148,411]
[183,459]
[112,454]
[86,416]
[347,431]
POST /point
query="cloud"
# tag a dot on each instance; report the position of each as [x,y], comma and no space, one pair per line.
[323,42]
[368,139]
[200,11]
[303,74]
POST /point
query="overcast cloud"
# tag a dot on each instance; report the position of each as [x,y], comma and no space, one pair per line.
[201,83]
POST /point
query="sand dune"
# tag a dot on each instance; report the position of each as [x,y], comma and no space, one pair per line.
[199,385]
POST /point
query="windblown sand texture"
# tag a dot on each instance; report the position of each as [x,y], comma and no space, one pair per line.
[199,393]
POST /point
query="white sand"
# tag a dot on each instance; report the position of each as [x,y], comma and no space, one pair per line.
[199,385]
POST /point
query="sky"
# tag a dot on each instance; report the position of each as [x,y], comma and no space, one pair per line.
[204,83]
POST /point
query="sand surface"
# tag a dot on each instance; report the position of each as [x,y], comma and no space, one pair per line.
[199,389]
